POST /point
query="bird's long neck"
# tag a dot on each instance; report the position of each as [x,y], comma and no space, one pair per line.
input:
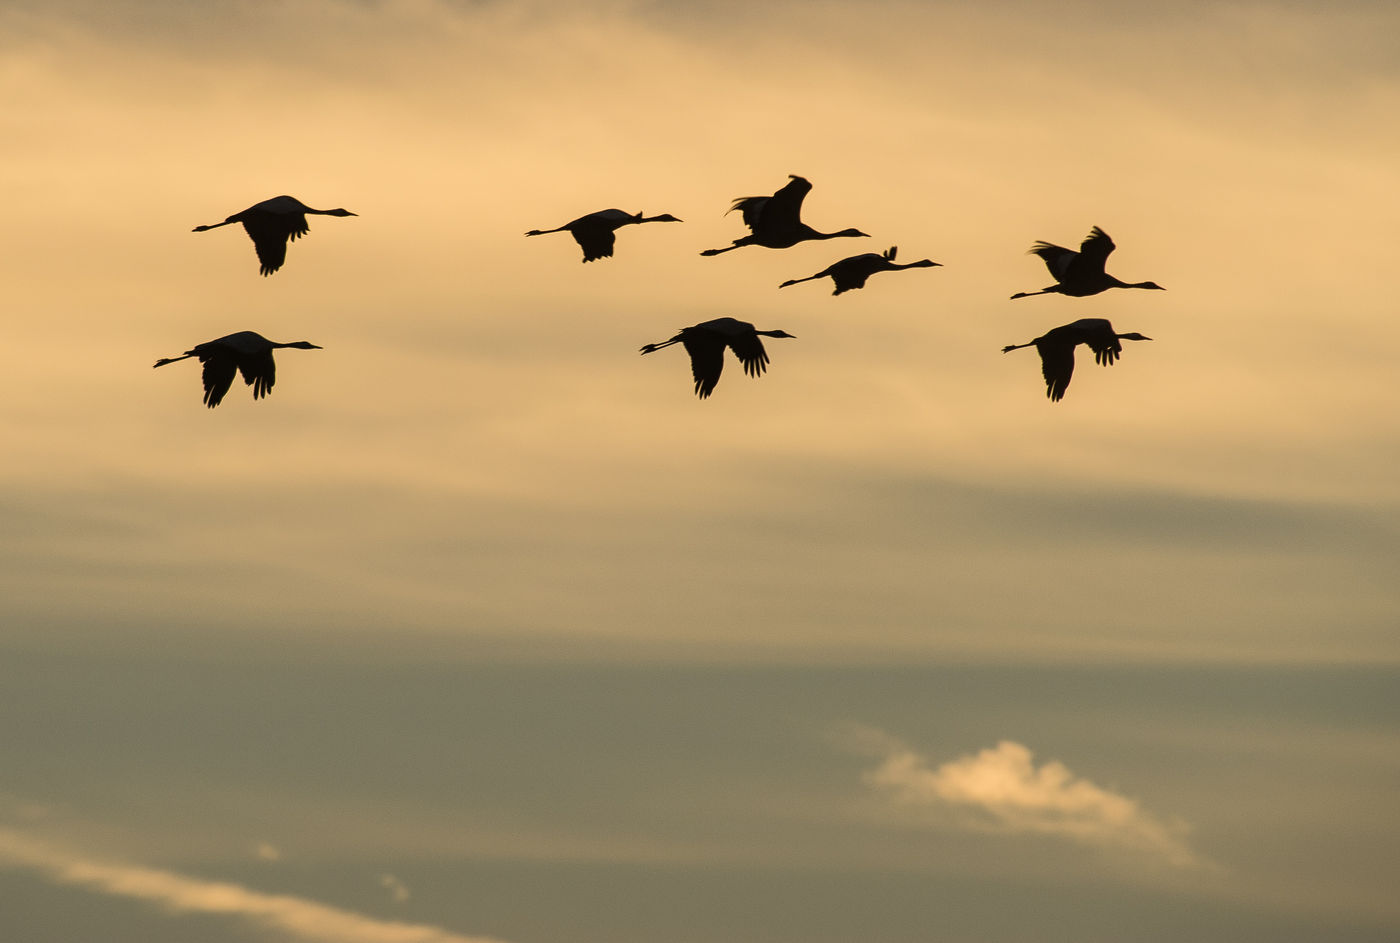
[213,226]
[1044,291]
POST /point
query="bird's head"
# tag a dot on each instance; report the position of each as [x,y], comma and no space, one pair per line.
[666,218]
[1152,285]
[853,232]
[1134,336]
[305,345]
[779,334]
[340,212]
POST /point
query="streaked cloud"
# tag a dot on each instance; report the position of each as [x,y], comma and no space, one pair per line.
[1002,789]
[297,917]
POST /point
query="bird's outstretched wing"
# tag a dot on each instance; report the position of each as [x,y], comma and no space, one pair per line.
[706,362]
[219,369]
[1106,350]
[1096,247]
[270,233]
[260,372]
[784,208]
[751,207]
[1057,258]
[1057,366]
[749,349]
[596,241]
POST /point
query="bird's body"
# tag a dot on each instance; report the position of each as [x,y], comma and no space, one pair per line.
[1079,274]
[705,343]
[246,352]
[1056,349]
[775,221]
[851,273]
[271,224]
[596,232]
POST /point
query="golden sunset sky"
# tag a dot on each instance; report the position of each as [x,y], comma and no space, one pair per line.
[479,470]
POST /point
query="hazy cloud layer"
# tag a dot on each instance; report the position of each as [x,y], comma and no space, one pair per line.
[1002,789]
[297,917]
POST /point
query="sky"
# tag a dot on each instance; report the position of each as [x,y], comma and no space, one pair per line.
[483,627]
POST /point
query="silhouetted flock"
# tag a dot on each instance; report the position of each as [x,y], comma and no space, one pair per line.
[773,221]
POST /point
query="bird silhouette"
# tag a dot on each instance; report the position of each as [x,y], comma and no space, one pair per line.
[705,342]
[1081,273]
[271,224]
[774,221]
[246,352]
[1056,348]
[852,272]
[596,232]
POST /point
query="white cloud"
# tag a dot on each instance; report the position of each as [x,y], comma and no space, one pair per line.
[296,917]
[1002,789]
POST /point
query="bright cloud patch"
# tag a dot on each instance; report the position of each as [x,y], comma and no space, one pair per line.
[297,917]
[1002,788]
[397,889]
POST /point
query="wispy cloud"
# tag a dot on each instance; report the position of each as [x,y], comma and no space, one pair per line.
[297,917]
[396,888]
[1002,789]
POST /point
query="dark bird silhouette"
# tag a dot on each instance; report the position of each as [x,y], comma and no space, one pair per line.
[1080,273]
[775,221]
[246,352]
[596,232]
[705,342]
[852,272]
[271,224]
[1056,348]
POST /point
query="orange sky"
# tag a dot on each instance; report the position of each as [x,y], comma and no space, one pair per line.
[476,386]
[479,467]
